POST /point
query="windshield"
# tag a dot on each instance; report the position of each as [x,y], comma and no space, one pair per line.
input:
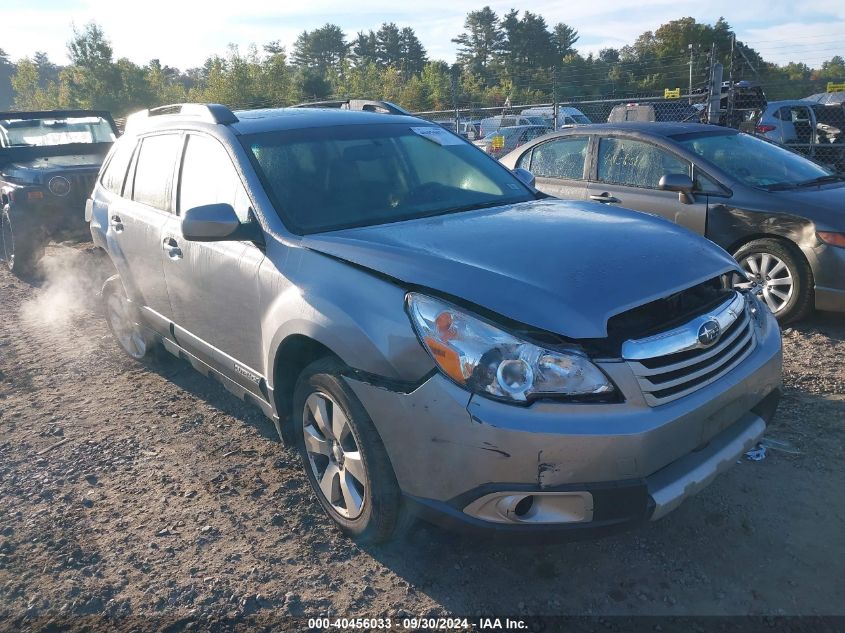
[754,162]
[55,131]
[580,118]
[323,179]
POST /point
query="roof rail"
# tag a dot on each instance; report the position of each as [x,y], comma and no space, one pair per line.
[367,105]
[208,112]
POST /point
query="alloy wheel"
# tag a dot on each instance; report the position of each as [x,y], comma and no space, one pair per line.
[768,277]
[334,455]
[126,331]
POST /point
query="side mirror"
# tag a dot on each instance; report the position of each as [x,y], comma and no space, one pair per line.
[678,182]
[217,223]
[525,176]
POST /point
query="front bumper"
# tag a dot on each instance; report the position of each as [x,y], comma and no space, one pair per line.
[449,449]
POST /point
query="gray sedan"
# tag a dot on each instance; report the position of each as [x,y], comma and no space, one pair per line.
[779,214]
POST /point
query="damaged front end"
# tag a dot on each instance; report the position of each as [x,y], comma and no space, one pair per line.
[680,403]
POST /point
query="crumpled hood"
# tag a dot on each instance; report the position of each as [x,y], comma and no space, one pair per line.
[561,266]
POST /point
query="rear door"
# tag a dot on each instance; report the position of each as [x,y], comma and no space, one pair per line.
[136,220]
[213,286]
[559,166]
[627,173]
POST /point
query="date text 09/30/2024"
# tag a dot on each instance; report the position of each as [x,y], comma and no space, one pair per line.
[412,624]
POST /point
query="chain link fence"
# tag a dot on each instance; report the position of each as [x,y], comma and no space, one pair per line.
[814,130]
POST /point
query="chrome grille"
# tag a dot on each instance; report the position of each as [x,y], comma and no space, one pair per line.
[673,364]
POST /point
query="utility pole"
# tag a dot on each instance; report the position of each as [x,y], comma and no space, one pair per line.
[455,97]
[554,97]
[690,73]
[730,112]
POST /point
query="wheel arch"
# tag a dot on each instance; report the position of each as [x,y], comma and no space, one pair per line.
[293,355]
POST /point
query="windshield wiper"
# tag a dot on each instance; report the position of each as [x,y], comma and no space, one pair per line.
[821,180]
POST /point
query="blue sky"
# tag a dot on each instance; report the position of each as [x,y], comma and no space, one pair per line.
[184,33]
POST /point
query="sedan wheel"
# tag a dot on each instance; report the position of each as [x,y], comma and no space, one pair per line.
[334,455]
[777,272]
[769,277]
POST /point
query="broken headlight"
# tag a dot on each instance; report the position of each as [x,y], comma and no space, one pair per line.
[492,362]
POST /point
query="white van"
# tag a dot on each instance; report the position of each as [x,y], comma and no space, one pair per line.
[565,115]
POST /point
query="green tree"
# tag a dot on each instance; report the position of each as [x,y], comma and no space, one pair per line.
[92,79]
[320,49]
[414,56]
[481,42]
[832,70]
[7,69]
[364,48]
[388,46]
[564,38]
[29,94]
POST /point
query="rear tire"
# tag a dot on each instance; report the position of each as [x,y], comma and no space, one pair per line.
[778,273]
[124,323]
[21,242]
[324,407]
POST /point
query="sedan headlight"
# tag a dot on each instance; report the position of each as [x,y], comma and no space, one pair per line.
[490,361]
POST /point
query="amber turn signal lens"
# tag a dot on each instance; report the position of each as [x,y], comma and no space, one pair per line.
[34,195]
[834,239]
[447,358]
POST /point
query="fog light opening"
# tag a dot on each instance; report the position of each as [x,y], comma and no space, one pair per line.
[524,506]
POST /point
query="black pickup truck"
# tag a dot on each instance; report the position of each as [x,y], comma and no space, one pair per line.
[48,164]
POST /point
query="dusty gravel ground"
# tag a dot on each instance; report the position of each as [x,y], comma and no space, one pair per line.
[149,493]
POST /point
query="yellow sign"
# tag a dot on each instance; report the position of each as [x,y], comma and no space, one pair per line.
[832,87]
[672,94]
[498,142]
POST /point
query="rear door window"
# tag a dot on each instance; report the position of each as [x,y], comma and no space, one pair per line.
[209,177]
[624,161]
[115,173]
[154,171]
[560,158]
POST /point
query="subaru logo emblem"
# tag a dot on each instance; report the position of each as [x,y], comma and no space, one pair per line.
[709,332]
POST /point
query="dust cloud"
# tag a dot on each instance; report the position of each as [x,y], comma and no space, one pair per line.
[71,280]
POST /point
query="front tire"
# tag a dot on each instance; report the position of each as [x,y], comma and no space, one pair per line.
[344,458]
[779,275]
[21,242]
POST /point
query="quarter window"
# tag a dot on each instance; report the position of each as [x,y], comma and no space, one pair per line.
[635,163]
[560,158]
[209,177]
[115,173]
[154,172]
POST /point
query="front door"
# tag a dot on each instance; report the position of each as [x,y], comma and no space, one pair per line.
[628,172]
[213,286]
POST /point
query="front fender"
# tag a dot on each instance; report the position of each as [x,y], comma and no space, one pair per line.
[358,316]
[729,227]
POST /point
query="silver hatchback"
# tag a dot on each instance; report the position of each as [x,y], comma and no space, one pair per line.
[436,337]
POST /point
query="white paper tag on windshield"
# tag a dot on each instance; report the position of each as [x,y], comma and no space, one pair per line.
[438,135]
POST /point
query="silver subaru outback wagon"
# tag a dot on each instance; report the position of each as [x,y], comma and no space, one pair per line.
[436,337]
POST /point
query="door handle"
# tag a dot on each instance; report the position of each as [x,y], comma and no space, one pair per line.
[116,223]
[604,197]
[171,247]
